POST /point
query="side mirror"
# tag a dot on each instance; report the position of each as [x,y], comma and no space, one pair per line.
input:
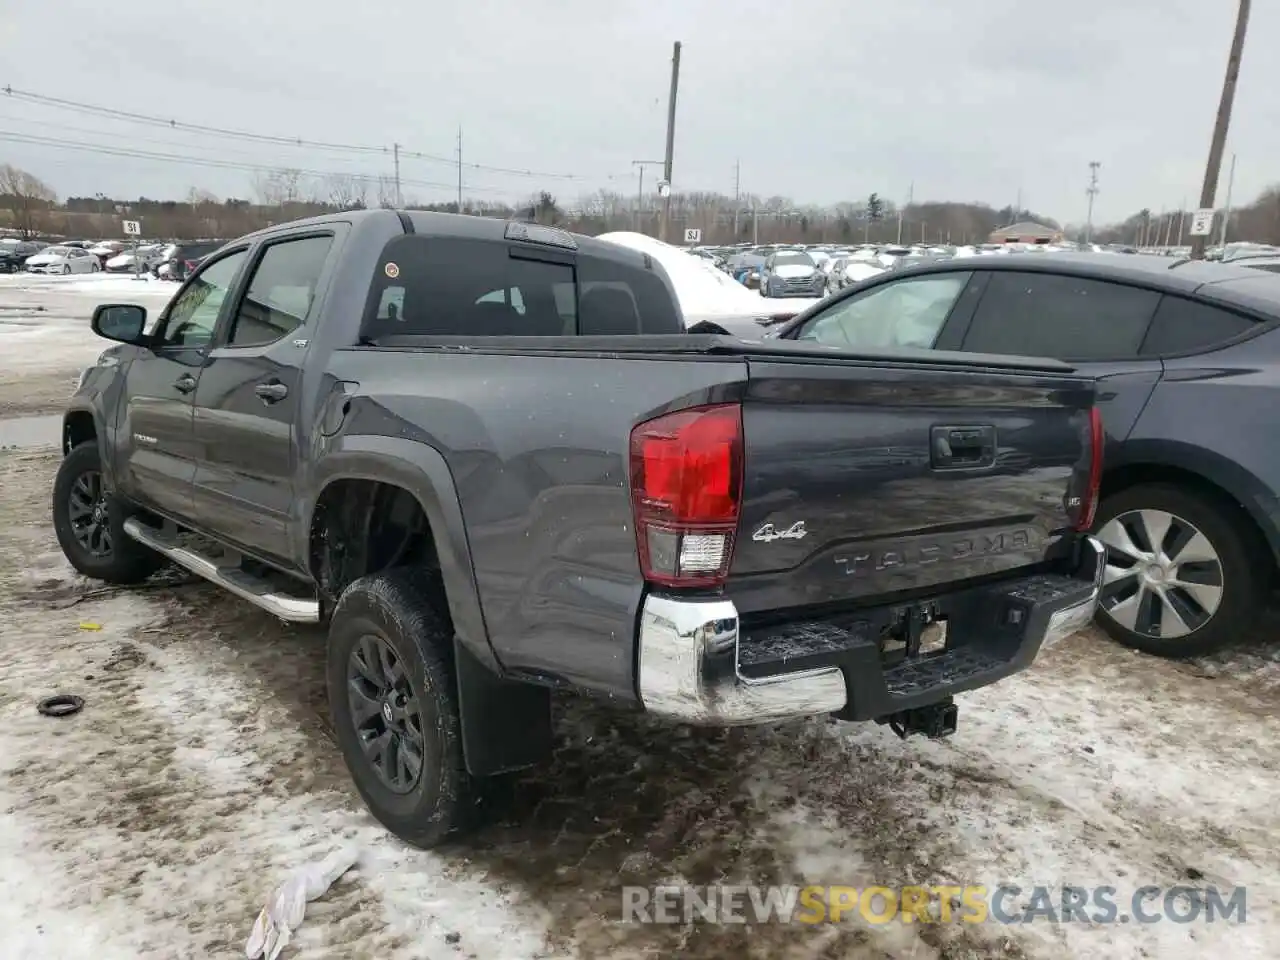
[120,321]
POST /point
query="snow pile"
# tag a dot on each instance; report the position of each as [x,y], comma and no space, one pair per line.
[704,292]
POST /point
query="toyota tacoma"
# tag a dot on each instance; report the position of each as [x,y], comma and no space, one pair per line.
[491,458]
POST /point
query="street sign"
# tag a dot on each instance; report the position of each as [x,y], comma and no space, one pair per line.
[664,188]
[1201,223]
[132,228]
[692,236]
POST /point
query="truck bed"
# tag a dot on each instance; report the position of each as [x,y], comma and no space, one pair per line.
[536,430]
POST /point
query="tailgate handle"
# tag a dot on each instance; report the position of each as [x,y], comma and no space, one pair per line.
[962,448]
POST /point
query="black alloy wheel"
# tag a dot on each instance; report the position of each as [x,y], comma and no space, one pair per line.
[88,509]
[386,713]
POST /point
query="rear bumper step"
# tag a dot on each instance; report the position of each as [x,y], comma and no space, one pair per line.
[697,664]
[228,576]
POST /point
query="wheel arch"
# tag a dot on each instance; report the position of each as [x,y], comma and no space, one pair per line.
[79,425]
[1208,473]
[423,473]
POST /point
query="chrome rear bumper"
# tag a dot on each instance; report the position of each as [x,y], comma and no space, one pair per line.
[690,669]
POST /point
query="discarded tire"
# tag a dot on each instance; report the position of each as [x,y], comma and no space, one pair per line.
[61,705]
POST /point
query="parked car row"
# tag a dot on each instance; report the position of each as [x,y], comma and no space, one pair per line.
[168,261]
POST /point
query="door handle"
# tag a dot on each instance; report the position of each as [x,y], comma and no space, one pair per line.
[962,448]
[271,392]
[185,383]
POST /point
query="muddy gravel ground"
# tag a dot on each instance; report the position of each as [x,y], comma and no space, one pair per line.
[202,771]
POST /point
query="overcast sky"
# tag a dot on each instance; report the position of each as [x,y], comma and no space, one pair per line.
[820,100]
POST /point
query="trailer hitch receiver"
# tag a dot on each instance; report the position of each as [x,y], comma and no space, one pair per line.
[936,721]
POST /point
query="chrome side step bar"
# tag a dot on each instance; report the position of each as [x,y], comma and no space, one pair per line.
[230,578]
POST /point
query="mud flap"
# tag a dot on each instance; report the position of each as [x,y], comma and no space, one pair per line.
[506,726]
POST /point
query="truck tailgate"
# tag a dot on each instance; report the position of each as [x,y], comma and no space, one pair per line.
[870,480]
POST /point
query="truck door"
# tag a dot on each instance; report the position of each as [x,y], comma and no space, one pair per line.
[247,429]
[156,458]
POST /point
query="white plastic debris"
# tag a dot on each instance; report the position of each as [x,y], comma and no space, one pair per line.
[287,904]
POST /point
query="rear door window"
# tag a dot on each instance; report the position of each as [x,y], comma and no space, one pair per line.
[1068,318]
[281,291]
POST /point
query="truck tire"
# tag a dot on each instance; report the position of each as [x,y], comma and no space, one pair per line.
[394,705]
[89,523]
[1200,591]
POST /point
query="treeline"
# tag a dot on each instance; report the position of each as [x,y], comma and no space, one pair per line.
[30,207]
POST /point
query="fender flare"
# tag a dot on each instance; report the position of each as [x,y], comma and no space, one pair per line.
[1260,503]
[421,470]
[101,429]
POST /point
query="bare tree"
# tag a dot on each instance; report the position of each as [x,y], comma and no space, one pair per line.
[385,187]
[197,196]
[345,191]
[27,196]
[278,188]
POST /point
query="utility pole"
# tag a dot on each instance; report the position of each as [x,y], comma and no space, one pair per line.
[737,193]
[395,149]
[1226,213]
[671,141]
[1091,192]
[911,191]
[1213,169]
[755,224]
[1182,213]
[459,169]
[1017,208]
[641,164]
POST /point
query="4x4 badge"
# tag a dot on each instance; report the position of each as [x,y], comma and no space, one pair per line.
[769,533]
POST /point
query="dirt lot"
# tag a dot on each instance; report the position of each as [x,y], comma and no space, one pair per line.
[202,772]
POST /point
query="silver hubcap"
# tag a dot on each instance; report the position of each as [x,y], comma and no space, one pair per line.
[1163,577]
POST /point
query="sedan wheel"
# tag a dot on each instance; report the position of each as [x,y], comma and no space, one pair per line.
[1164,578]
[1184,571]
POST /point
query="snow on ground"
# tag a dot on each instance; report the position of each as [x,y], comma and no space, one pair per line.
[705,292]
[202,771]
[45,340]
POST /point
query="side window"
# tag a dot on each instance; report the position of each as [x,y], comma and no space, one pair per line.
[192,316]
[466,288]
[1068,318]
[1182,326]
[908,313]
[280,293]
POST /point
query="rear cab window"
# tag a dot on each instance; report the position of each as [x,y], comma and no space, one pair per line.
[461,287]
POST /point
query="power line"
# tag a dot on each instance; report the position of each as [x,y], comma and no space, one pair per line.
[211,162]
[275,139]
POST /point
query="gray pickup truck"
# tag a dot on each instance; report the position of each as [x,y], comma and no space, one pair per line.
[491,457]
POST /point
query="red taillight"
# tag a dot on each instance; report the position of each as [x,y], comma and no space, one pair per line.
[1089,500]
[686,490]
